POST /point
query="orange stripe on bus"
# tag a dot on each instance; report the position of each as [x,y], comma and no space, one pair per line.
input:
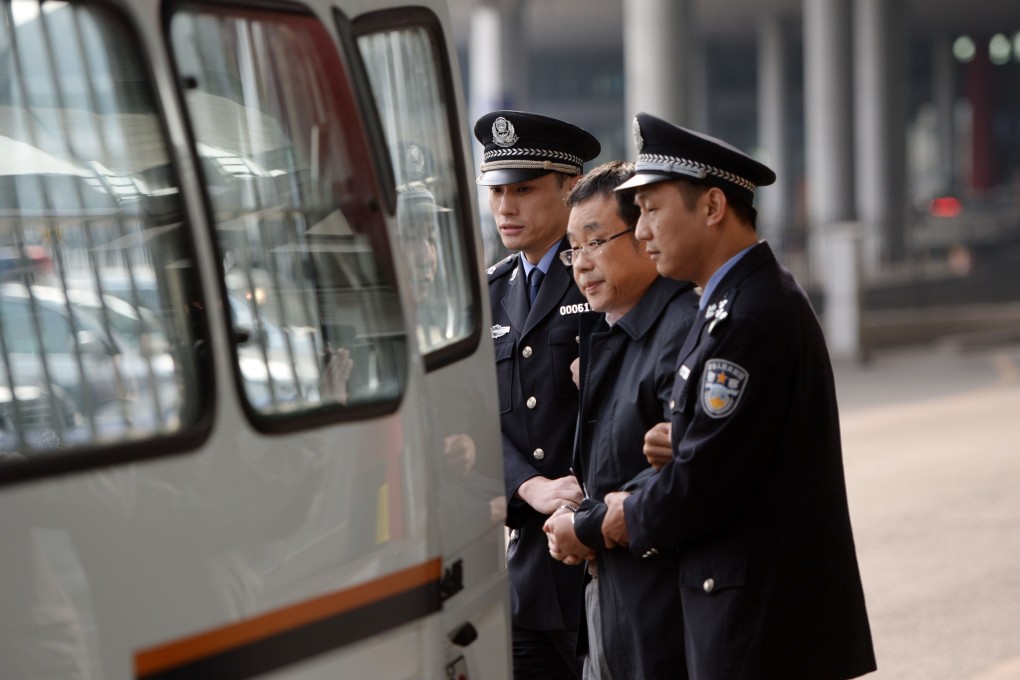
[202,645]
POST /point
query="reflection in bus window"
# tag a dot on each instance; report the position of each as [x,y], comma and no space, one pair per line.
[407,83]
[96,278]
[308,273]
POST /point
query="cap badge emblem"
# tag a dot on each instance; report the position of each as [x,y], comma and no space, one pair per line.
[503,133]
[639,141]
[415,162]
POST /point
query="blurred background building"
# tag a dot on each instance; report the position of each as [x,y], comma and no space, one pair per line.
[894,126]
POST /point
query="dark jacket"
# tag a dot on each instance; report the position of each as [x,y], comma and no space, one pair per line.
[538,404]
[626,380]
[754,500]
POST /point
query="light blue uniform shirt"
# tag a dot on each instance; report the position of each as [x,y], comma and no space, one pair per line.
[713,281]
[543,264]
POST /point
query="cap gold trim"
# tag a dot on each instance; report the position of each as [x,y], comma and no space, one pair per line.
[685,166]
[531,165]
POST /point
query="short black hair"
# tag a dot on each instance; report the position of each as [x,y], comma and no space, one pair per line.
[562,177]
[691,189]
[602,181]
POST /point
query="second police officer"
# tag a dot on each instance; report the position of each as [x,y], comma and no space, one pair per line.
[530,164]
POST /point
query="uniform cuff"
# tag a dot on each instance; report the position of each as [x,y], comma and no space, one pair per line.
[588,524]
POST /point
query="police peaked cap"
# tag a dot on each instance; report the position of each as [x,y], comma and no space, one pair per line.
[668,152]
[414,167]
[520,146]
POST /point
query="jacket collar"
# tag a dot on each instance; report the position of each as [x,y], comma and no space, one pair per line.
[557,280]
[652,305]
[754,258]
[716,308]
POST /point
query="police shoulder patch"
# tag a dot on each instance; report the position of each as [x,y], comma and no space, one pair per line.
[723,383]
[500,268]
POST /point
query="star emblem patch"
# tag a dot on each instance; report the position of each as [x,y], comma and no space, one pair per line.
[722,385]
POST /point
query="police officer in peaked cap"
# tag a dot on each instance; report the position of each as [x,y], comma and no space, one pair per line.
[753,501]
[418,216]
[668,152]
[530,164]
[521,146]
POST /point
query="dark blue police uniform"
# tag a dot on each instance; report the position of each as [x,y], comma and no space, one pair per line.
[538,406]
[534,345]
[754,501]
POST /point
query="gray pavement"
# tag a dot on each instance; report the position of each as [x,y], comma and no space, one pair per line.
[931,439]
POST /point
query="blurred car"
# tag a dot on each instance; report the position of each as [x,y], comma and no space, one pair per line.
[137,286]
[111,361]
[26,264]
[280,365]
[34,418]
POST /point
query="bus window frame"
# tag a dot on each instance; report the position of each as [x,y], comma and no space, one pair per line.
[385,194]
[423,18]
[189,439]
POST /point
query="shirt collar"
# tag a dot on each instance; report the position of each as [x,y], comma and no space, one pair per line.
[713,281]
[544,263]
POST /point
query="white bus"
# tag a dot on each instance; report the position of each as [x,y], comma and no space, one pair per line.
[248,416]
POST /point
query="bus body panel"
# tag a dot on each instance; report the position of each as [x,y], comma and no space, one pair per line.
[253,527]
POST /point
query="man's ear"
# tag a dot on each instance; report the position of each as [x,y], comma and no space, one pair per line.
[714,204]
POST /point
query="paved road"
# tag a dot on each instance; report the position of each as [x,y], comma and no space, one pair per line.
[931,443]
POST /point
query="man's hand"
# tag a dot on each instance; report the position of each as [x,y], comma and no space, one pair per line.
[575,371]
[547,495]
[614,524]
[336,374]
[658,448]
[459,453]
[563,543]
[497,510]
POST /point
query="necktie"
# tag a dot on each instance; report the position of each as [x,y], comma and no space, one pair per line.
[534,281]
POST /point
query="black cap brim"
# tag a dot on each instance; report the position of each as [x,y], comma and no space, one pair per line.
[641,179]
[495,178]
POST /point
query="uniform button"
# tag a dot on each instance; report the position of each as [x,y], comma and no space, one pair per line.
[526,352]
[532,402]
[709,585]
[651,552]
[577,339]
[672,404]
[539,454]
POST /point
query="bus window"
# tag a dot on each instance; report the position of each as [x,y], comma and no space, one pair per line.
[97,297]
[414,97]
[307,268]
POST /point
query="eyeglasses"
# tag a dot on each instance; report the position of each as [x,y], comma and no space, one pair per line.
[590,249]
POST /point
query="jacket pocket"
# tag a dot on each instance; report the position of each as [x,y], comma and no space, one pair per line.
[723,613]
[713,574]
[564,349]
[504,352]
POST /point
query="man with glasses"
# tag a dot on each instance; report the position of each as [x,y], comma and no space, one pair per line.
[629,343]
[530,164]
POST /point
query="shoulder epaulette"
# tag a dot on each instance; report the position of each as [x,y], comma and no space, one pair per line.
[502,267]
